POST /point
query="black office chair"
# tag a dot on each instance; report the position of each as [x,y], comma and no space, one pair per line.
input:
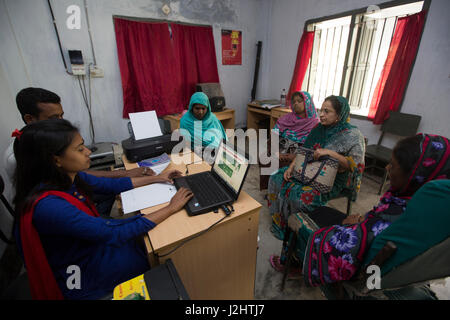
[401,124]
[13,283]
[7,207]
[19,289]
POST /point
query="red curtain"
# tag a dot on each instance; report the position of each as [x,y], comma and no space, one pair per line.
[391,86]
[194,47]
[159,68]
[301,64]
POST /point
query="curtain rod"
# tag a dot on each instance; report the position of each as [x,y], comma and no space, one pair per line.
[140,19]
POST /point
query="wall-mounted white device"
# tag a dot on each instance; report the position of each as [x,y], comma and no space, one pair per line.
[76,60]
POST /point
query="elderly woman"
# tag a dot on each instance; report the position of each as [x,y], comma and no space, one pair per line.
[200,125]
[335,253]
[59,228]
[294,127]
[333,136]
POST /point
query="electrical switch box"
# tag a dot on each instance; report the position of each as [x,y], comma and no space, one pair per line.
[76,60]
[96,72]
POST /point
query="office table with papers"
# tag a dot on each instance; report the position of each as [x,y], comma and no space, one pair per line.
[219,263]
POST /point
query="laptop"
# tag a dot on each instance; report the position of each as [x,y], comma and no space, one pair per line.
[219,186]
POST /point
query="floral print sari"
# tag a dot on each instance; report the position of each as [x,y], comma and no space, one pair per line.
[335,253]
[285,198]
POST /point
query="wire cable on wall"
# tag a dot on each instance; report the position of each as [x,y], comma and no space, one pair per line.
[57,36]
[90,106]
[89,31]
[87,103]
[81,79]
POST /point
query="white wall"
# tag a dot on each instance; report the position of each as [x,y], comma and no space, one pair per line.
[6,125]
[31,57]
[428,92]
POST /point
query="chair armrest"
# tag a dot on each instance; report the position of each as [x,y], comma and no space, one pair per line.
[384,254]
[360,280]
[295,222]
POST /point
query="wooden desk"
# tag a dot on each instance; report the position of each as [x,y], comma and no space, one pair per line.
[226,117]
[218,264]
[256,113]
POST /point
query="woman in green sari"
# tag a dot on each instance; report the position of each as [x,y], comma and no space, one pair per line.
[333,136]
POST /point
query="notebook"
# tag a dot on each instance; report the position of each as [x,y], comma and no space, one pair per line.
[219,186]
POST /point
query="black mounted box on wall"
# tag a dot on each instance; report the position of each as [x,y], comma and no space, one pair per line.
[214,93]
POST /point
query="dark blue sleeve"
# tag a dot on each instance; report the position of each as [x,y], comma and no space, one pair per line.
[57,217]
[107,185]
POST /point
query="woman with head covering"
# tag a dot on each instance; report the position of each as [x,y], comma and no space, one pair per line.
[200,125]
[334,136]
[335,253]
[294,127]
[59,227]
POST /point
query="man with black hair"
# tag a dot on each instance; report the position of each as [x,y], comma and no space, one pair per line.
[36,104]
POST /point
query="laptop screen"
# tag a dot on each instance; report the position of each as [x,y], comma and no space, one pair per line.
[230,166]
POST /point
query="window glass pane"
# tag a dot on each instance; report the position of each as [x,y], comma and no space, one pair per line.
[324,74]
[377,30]
[366,54]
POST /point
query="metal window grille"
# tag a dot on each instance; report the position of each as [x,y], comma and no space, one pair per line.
[348,57]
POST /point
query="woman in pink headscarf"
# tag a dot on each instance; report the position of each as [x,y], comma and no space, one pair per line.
[294,127]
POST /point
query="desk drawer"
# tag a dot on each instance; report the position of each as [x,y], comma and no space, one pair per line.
[258,110]
[278,113]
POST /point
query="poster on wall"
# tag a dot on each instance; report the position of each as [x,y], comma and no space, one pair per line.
[231,47]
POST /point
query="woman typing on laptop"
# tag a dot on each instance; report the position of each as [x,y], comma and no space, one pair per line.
[58,228]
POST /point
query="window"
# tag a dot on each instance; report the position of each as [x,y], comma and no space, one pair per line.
[349,52]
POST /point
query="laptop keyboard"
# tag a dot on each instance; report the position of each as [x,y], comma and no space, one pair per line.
[206,190]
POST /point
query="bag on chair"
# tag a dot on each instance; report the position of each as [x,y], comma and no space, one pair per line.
[318,174]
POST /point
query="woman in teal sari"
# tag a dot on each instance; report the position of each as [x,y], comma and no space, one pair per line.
[333,136]
[200,125]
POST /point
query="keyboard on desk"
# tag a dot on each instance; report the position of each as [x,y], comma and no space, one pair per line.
[206,189]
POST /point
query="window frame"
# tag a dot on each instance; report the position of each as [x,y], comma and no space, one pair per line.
[354,13]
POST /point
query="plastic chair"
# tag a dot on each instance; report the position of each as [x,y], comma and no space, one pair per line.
[401,124]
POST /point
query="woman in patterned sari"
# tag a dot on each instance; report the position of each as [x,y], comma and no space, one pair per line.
[292,130]
[335,253]
[294,127]
[333,136]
